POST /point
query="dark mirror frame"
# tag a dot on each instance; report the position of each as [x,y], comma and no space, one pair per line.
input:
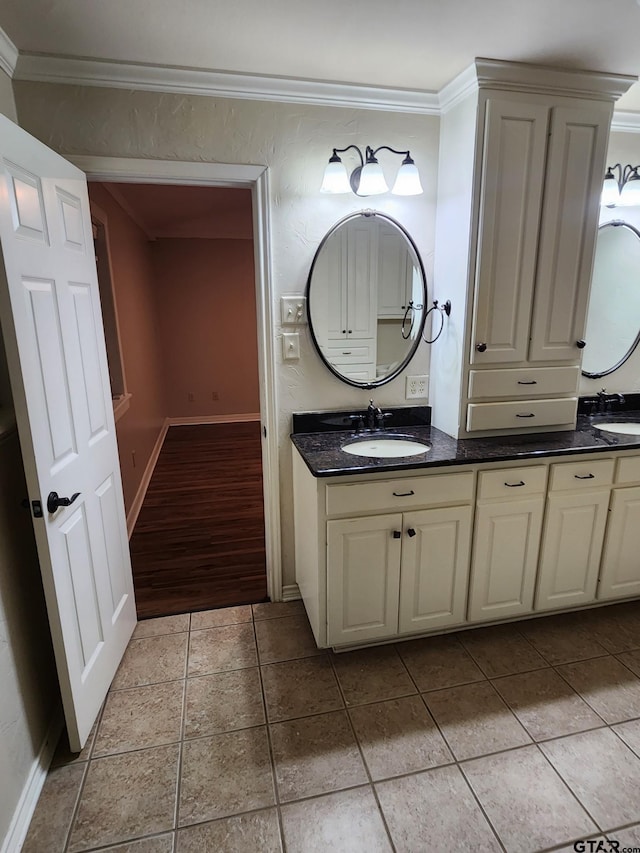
[616,223]
[418,260]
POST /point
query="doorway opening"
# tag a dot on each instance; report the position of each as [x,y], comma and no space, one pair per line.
[176,264]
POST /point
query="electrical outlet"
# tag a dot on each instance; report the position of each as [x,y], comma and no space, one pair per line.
[417,387]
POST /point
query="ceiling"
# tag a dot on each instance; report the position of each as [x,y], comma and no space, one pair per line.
[406,44]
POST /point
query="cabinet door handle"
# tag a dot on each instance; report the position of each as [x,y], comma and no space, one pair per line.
[481,347]
[581,344]
[403,494]
[527,415]
[584,476]
[397,534]
[515,485]
[527,381]
[411,531]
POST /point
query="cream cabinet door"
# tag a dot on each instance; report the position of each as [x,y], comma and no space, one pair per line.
[363,578]
[575,165]
[620,567]
[505,556]
[362,299]
[435,568]
[515,143]
[394,274]
[571,549]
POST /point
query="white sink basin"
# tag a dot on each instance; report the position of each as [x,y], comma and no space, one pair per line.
[385,448]
[624,427]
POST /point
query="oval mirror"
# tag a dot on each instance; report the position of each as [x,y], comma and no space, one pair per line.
[366,297]
[613,318]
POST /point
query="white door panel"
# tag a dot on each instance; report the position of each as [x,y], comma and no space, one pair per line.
[52,327]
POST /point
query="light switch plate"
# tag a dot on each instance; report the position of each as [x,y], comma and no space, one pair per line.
[290,346]
[293,310]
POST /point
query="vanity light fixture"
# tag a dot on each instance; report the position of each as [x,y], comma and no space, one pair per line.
[621,186]
[367,178]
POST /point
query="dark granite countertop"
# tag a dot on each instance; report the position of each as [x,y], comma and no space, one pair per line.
[324,457]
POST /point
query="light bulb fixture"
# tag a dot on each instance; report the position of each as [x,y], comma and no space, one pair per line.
[621,186]
[367,178]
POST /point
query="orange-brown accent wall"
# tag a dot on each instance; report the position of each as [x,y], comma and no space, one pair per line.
[207,323]
[133,279]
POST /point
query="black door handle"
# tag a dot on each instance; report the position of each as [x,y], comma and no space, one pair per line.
[397,534]
[54,501]
[411,532]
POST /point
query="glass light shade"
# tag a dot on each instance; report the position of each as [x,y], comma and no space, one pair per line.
[610,193]
[372,180]
[630,195]
[335,178]
[407,180]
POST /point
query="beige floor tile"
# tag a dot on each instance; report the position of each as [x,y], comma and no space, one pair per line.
[545,704]
[608,686]
[528,805]
[140,717]
[276,609]
[298,688]
[631,660]
[257,832]
[474,720]
[630,734]
[52,817]
[344,822]
[223,702]
[437,662]
[434,810]
[626,838]
[222,616]
[398,736]
[372,675]
[224,775]
[151,660]
[63,754]
[157,844]
[602,772]
[501,650]
[285,639]
[614,627]
[561,639]
[220,649]
[161,625]
[126,796]
[315,755]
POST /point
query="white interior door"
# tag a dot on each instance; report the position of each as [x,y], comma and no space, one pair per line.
[52,326]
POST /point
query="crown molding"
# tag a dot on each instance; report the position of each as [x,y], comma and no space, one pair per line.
[624,122]
[8,54]
[466,83]
[220,84]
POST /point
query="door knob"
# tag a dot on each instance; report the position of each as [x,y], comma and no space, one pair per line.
[581,344]
[411,531]
[397,534]
[481,347]
[54,501]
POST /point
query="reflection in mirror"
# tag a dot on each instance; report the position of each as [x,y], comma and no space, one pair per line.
[366,297]
[613,319]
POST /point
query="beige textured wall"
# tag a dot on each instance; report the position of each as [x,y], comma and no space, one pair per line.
[133,277]
[295,142]
[29,694]
[205,292]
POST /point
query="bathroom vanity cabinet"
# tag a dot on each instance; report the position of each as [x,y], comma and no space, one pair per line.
[421,551]
[521,205]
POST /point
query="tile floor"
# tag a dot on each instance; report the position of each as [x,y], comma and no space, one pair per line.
[230,731]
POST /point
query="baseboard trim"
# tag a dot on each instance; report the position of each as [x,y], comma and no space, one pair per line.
[290,592]
[136,506]
[28,801]
[215,419]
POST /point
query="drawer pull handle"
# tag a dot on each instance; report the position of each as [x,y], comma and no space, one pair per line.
[397,534]
[527,415]
[584,476]
[527,381]
[347,353]
[403,494]
[515,485]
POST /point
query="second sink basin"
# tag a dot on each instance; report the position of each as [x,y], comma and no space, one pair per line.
[386,447]
[624,427]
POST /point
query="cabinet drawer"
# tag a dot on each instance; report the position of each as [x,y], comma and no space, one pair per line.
[534,382]
[347,353]
[585,474]
[385,495]
[628,470]
[512,483]
[521,414]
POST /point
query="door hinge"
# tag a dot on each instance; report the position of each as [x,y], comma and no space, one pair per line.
[264,431]
[36,507]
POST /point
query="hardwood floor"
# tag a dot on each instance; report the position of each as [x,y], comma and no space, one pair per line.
[199,539]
